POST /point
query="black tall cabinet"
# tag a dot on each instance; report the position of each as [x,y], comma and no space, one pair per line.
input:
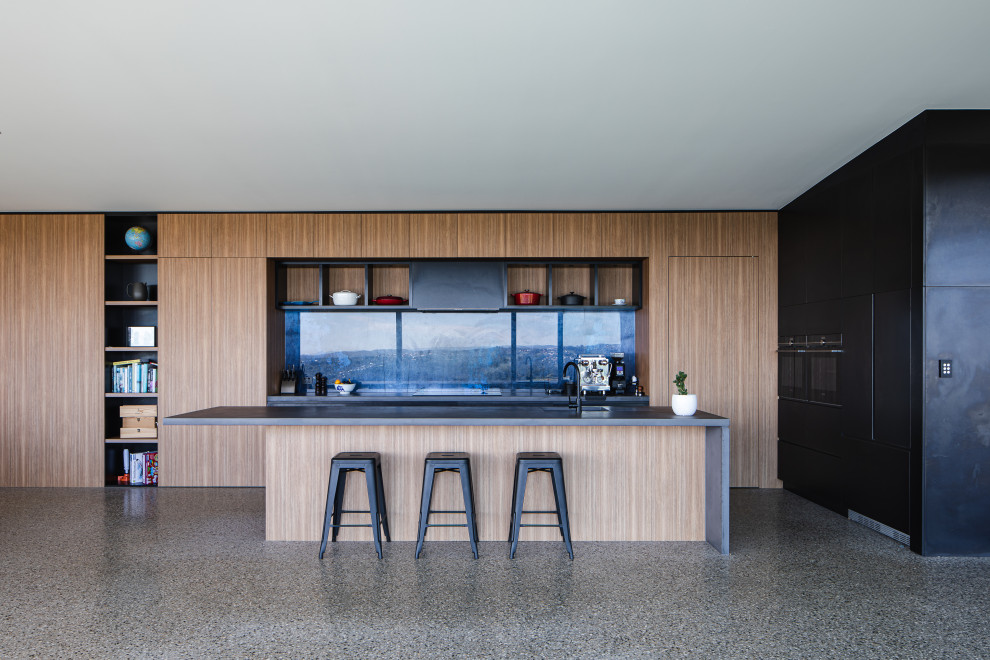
[892,252]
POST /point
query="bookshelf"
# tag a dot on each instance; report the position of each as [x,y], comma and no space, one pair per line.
[127,367]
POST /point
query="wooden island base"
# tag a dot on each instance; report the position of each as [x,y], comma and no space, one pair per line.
[624,483]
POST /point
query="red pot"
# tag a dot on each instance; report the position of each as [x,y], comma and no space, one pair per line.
[390,300]
[527,297]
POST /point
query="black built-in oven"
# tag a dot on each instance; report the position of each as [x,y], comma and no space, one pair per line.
[808,368]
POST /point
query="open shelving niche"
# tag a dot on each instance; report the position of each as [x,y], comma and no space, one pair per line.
[123,265]
[600,281]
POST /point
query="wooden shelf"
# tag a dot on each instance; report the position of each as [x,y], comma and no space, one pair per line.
[130,395]
[347,308]
[132,303]
[133,258]
[570,308]
[136,349]
[130,441]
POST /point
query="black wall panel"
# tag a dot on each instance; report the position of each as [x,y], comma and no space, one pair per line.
[823,244]
[811,425]
[856,367]
[957,228]
[791,264]
[857,225]
[897,250]
[892,363]
[956,516]
[877,483]
[813,475]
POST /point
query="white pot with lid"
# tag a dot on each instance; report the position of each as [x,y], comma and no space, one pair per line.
[345,297]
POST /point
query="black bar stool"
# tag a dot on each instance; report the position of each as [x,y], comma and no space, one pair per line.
[369,462]
[444,462]
[539,461]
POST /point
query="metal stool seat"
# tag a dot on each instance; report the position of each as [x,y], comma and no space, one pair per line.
[370,463]
[443,462]
[539,461]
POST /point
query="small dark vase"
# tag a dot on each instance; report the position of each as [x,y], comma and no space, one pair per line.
[137,291]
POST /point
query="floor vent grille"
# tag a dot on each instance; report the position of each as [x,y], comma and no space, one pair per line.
[886,530]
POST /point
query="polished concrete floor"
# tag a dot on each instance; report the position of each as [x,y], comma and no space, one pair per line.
[185,573]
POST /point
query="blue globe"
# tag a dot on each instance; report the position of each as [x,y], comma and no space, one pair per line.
[137,238]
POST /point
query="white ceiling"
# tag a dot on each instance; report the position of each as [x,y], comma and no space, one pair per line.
[237,105]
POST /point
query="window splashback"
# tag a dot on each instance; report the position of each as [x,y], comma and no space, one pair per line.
[416,351]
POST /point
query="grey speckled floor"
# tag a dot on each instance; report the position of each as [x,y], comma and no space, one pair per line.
[186,573]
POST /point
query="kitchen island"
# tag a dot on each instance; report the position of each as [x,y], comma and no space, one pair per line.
[632,473]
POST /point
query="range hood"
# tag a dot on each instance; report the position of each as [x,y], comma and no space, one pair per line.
[457,286]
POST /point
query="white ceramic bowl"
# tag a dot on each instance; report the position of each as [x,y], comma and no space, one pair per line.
[345,388]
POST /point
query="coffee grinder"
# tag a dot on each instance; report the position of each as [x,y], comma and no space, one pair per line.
[617,383]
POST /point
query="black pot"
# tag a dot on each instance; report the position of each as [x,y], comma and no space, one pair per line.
[572,299]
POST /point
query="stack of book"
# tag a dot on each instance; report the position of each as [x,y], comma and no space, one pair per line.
[142,468]
[135,377]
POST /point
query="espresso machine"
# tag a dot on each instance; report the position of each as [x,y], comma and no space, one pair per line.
[594,374]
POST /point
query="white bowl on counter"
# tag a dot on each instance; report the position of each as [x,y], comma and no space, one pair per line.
[344,389]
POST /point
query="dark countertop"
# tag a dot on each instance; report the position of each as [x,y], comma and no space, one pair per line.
[535,396]
[364,414]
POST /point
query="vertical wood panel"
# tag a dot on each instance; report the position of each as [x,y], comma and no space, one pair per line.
[713,332]
[77,401]
[715,234]
[52,279]
[302,283]
[529,235]
[767,349]
[185,341]
[239,234]
[345,278]
[527,278]
[185,324]
[578,279]
[624,234]
[338,235]
[185,235]
[389,281]
[666,463]
[12,295]
[238,340]
[481,235]
[386,236]
[291,235]
[577,235]
[433,235]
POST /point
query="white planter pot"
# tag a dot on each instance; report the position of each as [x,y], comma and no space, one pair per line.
[684,404]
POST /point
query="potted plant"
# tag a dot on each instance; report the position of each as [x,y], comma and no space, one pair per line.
[684,404]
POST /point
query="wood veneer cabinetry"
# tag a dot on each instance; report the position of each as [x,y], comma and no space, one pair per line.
[51,332]
[213,234]
[214,330]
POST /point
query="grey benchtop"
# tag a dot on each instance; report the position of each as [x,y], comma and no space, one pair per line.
[478,415]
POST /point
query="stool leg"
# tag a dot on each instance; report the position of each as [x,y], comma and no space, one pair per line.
[559,495]
[512,512]
[424,507]
[381,501]
[373,506]
[517,507]
[471,486]
[469,508]
[328,514]
[338,502]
